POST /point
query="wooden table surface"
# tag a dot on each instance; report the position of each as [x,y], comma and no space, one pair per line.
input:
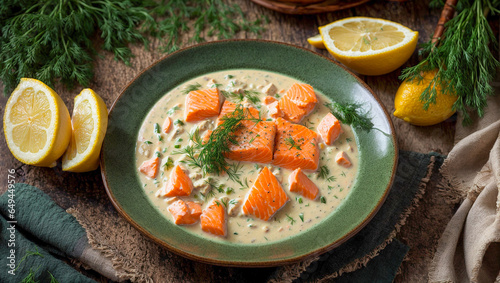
[111,77]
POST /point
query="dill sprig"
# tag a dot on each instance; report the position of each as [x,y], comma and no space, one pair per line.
[209,156]
[350,114]
[291,142]
[462,57]
[51,40]
[190,88]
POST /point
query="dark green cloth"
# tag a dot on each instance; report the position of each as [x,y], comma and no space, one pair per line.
[37,219]
[412,168]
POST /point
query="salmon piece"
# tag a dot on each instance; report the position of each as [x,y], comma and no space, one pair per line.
[185,213]
[213,219]
[206,136]
[343,160]
[202,104]
[298,102]
[265,197]
[167,125]
[179,184]
[228,107]
[274,110]
[150,167]
[194,209]
[300,183]
[329,128]
[295,146]
[254,142]
[269,99]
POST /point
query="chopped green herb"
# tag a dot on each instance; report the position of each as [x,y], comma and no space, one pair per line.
[224,202]
[343,174]
[331,179]
[169,164]
[157,128]
[301,216]
[229,190]
[330,188]
[160,137]
[157,154]
[322,199]
[172,110]
[291,142]
[348,139]
[190,88]
[323,172]
[227,77]
[235,233]
[290,219]
[233,201]
[148,142]
[178,122]
[215,85]
[252,96]
[299,199]
[179,140]
[177,146]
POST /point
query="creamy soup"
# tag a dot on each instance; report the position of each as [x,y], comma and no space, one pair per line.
[298,214]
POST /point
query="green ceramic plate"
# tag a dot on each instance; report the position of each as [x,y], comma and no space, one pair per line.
[378,150]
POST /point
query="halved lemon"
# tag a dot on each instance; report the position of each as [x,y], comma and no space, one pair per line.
[89,123]
[369,46]
[36,124]
[316,41]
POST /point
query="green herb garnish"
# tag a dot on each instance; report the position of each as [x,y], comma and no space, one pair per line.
[169,164]
[301,216]
[323,172]
[291,142]
[462,57]
[148,142]
[190,88]
[178,122]
[331,179]
[157,128]
[172,110]
[289,218]
[350,114]
[322,199]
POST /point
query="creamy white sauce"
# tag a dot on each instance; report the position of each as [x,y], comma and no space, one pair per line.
[299,214]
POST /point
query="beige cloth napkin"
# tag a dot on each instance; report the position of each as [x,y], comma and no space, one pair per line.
[469,249]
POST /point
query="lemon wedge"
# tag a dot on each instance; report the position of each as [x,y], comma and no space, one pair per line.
[369,46]
[36,124]
[316,41]
[89,123]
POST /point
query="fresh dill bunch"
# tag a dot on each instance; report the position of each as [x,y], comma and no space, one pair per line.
[462,57]
[350,114]
[52,40]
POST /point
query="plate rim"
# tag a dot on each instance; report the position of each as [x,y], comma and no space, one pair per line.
[251,264]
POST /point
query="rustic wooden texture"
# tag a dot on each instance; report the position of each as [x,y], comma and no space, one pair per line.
[111,76]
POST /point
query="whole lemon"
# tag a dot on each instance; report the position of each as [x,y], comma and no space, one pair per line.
[409,107]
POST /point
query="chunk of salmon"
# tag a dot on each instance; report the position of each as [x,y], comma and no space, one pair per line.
[301,184]
[343,160]
[329,128]
[295,146]
[274,110]
[150,167]
[228,108]
[202,104]
[206,136]
[297,102]
[167,125]
[213,219]
[179,184]
[185,213]
[265,197]
[254,142]
[269,99]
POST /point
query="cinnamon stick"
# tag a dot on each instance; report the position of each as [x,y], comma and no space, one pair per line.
[446,15]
